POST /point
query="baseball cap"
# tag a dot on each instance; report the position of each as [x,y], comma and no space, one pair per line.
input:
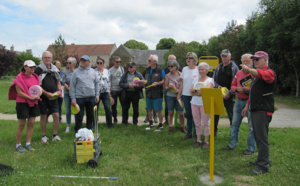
[85,57]
[29,63]
[260,54]
[225,52]
[131,64]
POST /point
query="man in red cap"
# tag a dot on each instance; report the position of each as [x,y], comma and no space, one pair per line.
[261,106]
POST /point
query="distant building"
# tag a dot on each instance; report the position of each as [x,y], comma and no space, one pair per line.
[140,57]
[12,48]
[103,50]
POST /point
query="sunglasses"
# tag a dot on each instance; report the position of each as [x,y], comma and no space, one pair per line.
[99,63]
[171,66]
[256,59]
[31,67]
[149,61]
[189,58]
[69,63]
[118,61]
[130,66]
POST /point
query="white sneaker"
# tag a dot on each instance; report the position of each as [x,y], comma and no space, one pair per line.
[67,129]
[159,128]
[45,139]
[56,138]
[149,127]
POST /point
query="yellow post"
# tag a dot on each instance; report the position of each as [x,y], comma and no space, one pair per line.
[212,138]
[213,104]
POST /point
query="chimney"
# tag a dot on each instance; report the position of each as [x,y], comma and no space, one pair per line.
[72,43]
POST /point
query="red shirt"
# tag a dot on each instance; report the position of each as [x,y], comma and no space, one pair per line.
[268,76]
[236,83]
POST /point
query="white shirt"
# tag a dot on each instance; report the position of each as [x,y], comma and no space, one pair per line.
[188,76]
[197,100]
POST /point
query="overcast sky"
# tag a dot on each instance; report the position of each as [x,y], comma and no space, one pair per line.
[35,24]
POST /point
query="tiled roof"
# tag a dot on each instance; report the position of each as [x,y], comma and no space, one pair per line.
[80,50]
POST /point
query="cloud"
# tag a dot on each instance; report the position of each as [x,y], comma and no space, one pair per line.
[36,24]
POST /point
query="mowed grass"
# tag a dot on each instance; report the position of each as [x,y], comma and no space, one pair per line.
[140,157]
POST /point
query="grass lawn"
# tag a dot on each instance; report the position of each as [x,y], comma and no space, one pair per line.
[140,157]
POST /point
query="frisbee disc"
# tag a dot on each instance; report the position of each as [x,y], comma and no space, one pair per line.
[54,96]
[75,109]
[111,100]
[35,90]
[173,90]
[224,91]
[136,81]
[180,103]
[200,85]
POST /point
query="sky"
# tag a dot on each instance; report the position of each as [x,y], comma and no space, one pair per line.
[36,24]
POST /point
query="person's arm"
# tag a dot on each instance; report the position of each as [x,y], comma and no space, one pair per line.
[267,75]
[58,84]
[23,95]
[245,110]
[195,92]
[73,87]
[234,85]
[180,90]
[167,84]
[123,83]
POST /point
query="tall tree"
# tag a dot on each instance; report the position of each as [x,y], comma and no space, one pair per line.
[282,40]
[7,60]
[134,44]
[165,43]
[180,51]
[213,47]
[229,39]
[59,47]
[20,61]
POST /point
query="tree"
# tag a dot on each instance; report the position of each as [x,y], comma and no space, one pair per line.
[281,40]
[180,51]
[20,61]
[7,61]
[229,39]
[199,49]
[133,44]
[59,47]
[213,47]
[165,43]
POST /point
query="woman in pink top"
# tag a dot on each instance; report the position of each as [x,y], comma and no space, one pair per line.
[26,105]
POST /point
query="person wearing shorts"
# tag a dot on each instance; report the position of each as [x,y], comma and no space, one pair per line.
[50,82]
[154,94]
[172,84]
[26,105]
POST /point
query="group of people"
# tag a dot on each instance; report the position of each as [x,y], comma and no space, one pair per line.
[85,87]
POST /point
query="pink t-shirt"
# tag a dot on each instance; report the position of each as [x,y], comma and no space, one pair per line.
[29,81]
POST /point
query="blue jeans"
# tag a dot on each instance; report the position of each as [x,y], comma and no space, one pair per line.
[188,113]
[67,100]
[235,127]
[106,103]
[88,104]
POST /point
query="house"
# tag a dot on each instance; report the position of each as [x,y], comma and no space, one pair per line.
[140,57]
[103,50]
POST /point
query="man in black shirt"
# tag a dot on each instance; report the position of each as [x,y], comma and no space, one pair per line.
[50,82]
[223,77]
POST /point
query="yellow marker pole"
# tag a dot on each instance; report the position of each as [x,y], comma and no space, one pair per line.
[212,139]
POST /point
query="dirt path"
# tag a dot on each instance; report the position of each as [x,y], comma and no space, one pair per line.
[285,116]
